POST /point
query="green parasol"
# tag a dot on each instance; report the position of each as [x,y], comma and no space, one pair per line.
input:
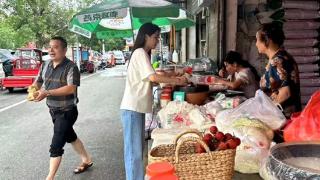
[118,18]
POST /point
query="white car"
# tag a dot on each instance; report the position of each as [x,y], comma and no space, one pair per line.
[46,58]
[1,72]
[106,56]
[119,57]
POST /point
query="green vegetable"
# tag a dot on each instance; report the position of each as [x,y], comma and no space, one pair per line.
[250,123]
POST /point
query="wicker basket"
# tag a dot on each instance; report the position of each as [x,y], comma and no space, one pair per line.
[189,165]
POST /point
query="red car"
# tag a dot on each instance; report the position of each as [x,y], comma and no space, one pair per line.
[25,69]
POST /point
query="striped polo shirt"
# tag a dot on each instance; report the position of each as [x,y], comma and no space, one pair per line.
[65,73]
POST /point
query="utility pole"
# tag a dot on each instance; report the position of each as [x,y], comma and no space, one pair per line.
[103,47]
[77,56]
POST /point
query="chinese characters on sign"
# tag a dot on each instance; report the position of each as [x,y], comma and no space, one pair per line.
[93,17]
[113,34]
[81,31]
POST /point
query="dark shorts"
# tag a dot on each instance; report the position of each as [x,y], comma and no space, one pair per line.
[63,132]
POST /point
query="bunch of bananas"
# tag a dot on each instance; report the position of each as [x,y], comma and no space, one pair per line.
[32,93]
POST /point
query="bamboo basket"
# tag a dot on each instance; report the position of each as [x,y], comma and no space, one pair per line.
[189,165]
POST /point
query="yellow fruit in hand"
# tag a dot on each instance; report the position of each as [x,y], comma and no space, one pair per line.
[32,93]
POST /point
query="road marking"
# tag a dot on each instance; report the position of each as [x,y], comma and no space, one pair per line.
[91,75]
[23,101]
[13,105]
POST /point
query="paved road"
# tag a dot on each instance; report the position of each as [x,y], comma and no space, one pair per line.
[26,130]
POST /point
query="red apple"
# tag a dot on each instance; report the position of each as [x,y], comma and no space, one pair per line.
[207,137]
[212,147]
[199,148]
[232,144]
[228,136]
[237,140]
[213,129]
[222,146]
[219,136]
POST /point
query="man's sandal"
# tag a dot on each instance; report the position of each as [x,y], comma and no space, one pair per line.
[82,167]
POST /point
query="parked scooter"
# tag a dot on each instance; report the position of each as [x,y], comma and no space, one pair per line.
[102,65]
[87,66]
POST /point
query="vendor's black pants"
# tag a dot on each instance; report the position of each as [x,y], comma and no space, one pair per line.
[63,132]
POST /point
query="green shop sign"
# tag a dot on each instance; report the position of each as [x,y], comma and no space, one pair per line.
[81,31]
[109,14]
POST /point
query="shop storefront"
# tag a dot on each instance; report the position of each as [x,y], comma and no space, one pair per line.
[204,38]
[221,26]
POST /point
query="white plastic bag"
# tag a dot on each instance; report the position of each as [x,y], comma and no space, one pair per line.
[264,171]
[175,114]
[255,139]
[229,102]
[179,114]
[253,149]
[247,161]
[197,117]
[259,107]
[213,108]
[221,120]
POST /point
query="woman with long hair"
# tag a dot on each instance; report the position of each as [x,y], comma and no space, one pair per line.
[281,79]
[137,98]
[242,75]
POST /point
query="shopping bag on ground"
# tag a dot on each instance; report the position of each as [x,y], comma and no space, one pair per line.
[306,126]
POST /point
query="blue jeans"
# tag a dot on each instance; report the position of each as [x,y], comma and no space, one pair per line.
[133,134]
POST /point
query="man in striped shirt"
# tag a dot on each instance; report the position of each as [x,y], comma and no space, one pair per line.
[57,81]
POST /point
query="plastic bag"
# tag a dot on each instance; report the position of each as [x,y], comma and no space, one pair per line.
[259,107]
[180,114]
[229,102]
[151,122]
[175,114]
[203,64]
[264,171]
[213,108]
[253,149]
[197,117]
[255,139]
[306,126]
[247,161]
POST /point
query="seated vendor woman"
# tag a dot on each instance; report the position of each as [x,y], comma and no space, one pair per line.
[281,79]
[242,76]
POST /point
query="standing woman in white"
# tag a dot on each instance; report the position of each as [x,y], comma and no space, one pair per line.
[137,98]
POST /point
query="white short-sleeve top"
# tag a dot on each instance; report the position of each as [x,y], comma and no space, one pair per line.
[250,85]
[138,91]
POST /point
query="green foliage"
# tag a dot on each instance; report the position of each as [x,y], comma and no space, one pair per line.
[22,21]
[96,44]
[11,37]
[115,44]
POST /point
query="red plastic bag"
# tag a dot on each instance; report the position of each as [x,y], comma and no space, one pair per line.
[306,126]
